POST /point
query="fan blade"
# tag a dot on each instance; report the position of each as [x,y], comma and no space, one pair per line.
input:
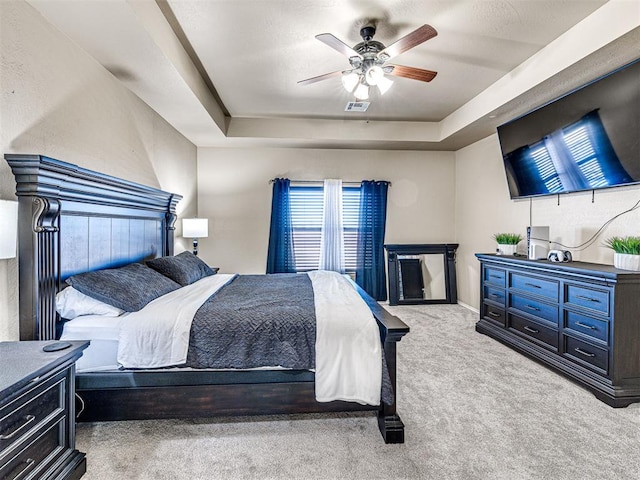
[319,78]
[338,45]
[410,72]
[411,40]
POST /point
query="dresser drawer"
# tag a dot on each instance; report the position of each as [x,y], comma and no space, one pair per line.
[496,295]
[593,327]
[37,455]
[494,313]
[534,285]
[596,299]
[546,335]
[30,408]
[586,353]
[495,276]
[530,306]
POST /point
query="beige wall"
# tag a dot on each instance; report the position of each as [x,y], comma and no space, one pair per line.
[483,207]
[235,194]
[58,101]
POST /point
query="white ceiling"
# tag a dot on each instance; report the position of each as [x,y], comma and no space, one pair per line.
[225,72]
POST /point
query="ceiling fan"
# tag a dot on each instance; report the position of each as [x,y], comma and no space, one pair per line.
[368,61]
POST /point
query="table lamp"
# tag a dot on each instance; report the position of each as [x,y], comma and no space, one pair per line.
[195,228]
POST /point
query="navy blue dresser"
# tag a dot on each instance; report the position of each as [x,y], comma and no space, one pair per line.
[581,319]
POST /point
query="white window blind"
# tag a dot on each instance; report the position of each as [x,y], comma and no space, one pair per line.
[350,216]
[306,217]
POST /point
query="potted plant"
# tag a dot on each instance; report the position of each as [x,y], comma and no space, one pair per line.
[507,242]
[626,252]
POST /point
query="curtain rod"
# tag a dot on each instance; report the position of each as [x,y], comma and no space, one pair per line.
[320,182]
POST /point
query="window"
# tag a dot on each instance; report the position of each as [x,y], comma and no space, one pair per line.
[296,236]
[306,218]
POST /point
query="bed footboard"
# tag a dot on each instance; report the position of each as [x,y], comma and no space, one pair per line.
[392,329]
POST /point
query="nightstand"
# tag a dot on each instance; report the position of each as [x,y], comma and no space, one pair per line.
[37,412]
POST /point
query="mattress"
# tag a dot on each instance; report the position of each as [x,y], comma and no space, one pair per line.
[101,356]
[104,333]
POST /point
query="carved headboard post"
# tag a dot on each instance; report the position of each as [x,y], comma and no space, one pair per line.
[72,220]
[171,218]
[38,264]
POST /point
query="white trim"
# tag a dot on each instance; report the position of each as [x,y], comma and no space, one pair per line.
[469,307]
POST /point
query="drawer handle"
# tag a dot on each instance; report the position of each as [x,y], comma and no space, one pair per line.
[584,325]
[496,276]
[495,295]
[531,307]
[582,352]
[532,285]
[29,462]
[588,299]
[532,330]
[9,436]
[494,314]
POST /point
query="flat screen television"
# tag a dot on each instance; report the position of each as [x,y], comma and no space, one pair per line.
[585,140]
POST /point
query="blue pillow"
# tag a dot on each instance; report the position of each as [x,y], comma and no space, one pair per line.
[184,268]
[129,288]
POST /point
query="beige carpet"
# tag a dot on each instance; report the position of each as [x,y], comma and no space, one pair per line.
[473,409]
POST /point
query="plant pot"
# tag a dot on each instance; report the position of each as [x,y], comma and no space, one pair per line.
[625,261]
[505,249]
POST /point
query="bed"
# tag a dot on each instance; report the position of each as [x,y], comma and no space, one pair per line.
[73,221]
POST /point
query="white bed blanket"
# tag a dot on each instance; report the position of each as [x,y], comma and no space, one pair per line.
[348,348]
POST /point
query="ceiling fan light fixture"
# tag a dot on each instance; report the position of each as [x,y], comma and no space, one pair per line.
[368,59]
[374,74]
[350,80]
[384,84]
[362,92]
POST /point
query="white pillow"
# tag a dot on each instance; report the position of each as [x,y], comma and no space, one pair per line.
[70,303]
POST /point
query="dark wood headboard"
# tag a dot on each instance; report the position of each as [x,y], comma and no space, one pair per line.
[72,220]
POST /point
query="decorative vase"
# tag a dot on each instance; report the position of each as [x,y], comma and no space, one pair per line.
[625,261]
[505,249]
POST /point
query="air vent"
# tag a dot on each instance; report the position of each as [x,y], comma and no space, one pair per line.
[357,107]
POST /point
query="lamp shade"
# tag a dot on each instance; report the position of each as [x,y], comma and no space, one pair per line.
[195,227]
[8,228]
[350,80]
[384,84]
[374,74]
[362,92]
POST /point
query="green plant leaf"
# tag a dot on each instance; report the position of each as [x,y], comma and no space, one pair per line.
[629,245]
[507,238]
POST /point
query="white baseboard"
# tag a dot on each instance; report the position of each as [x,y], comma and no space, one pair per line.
[469,307]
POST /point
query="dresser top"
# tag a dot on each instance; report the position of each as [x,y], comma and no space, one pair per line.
[21,362]
[594,270]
